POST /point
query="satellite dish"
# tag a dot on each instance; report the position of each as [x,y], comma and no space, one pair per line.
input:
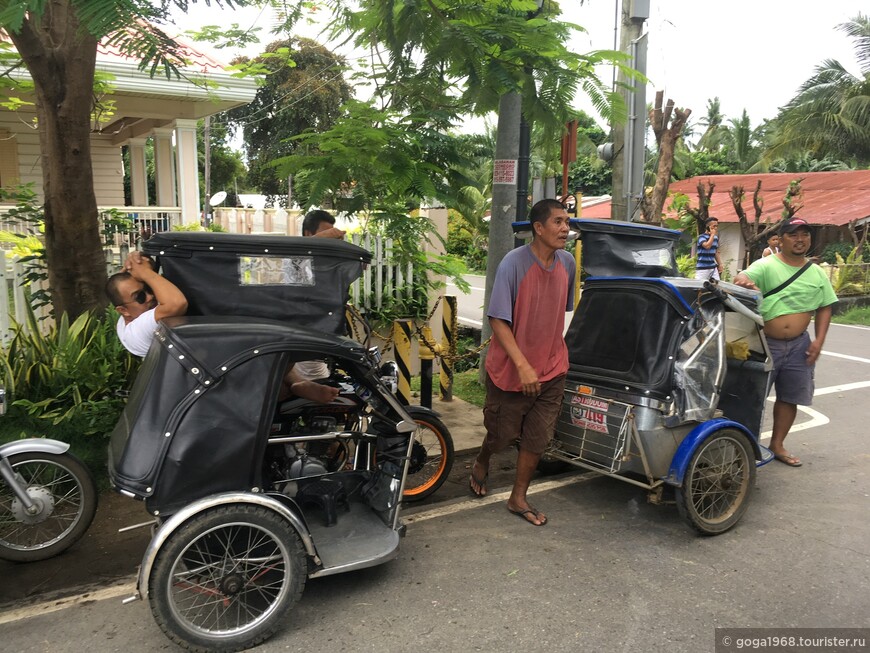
[217,198]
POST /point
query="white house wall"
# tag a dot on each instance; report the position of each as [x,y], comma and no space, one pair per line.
[108,171]
[106,158]
[25,140]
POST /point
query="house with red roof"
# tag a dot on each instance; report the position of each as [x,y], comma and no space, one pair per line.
[829,201]
[162,110]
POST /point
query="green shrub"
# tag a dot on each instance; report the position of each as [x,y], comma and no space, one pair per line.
[844,250]
[195,226]
[686,265]
[68,376]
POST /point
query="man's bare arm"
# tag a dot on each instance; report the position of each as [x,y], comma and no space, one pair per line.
[501,331]
[821,324]
[170,300]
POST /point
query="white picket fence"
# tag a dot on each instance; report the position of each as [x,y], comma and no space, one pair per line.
[383,282]
[384,278]
[14,303]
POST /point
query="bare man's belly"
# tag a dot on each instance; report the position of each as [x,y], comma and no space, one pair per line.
[786,327]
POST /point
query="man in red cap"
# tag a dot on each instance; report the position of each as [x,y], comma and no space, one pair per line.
[795,290]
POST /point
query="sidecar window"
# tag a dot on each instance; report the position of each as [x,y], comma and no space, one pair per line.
[276,271]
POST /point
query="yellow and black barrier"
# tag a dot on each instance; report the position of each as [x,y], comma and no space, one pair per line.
[402,348]
[448,346]
[428,351]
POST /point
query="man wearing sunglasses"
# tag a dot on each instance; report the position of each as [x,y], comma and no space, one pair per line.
[142,298]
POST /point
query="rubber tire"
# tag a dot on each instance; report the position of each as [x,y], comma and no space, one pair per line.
[426,485]
[696,483]
[218,522]
[78,483]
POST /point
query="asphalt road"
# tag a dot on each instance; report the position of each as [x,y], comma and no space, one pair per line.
[609,572]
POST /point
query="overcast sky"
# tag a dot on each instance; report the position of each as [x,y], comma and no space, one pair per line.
[752,54]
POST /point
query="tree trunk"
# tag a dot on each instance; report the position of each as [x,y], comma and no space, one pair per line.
[60,56]
[667,132]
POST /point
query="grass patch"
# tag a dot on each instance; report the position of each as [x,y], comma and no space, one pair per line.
[465,387]
[858,315]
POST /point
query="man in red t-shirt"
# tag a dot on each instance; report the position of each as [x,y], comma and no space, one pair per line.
[527,359]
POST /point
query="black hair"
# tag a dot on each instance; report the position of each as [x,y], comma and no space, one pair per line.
[542,210]
[312,221]
[112,287]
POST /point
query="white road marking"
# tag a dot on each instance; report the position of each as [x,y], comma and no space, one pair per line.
[817,418]
[126,589]
[850,326]
[497,497]
[857,359]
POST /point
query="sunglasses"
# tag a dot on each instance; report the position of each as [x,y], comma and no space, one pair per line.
[140,297]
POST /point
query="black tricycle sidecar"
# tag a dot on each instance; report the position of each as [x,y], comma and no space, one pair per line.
[245,507]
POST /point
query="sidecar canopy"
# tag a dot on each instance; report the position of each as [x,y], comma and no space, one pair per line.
[302,281]
[200,410]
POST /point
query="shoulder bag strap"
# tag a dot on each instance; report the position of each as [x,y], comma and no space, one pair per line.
[790,279]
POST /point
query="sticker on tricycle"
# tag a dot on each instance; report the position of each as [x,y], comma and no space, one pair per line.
[589,413]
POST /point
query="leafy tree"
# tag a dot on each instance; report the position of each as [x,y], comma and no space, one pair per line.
[461,56]
[590,175]
[303,90]
[226,163]
[705,162]
[57,42]
[830,114]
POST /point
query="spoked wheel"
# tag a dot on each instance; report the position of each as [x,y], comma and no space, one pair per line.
[718,483]
[431,456]
[64,503]
[226,579]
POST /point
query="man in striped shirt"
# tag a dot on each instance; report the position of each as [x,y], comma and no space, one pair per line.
[709,266]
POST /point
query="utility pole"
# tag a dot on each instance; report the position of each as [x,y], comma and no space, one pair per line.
[504,198]
[628,142]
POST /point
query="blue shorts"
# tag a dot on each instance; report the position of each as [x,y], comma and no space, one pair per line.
[793,378]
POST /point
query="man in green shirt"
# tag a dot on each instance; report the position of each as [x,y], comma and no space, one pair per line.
[787,311]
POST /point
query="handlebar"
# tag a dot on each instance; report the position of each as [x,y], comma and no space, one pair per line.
[732,303]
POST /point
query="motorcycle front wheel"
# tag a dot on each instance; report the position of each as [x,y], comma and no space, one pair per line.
[64,499]
[431,456]
[227,578]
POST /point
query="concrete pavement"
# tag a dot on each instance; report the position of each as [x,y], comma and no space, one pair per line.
[464,420]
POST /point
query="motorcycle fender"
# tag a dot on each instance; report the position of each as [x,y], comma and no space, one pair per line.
[34,445]
[680,461]
[182,516]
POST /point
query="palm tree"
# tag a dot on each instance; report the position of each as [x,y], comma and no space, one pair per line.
[830,114]
[711,139]
[741,142]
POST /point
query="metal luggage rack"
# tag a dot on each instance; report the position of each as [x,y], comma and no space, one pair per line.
[593,430]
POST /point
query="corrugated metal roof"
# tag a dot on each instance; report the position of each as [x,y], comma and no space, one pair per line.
[827,198]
